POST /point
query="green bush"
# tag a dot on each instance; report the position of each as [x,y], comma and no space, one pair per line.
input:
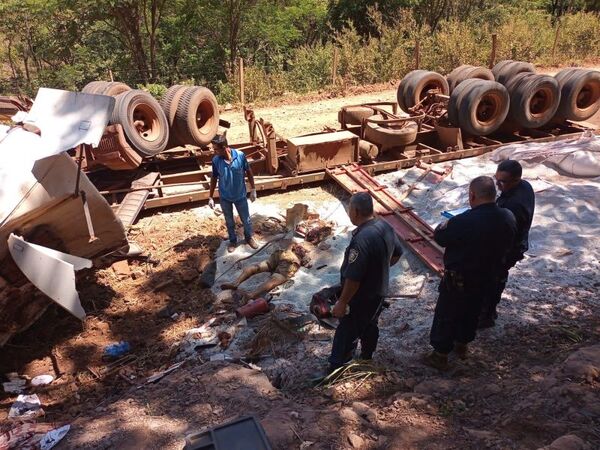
[579,38]
[156,90]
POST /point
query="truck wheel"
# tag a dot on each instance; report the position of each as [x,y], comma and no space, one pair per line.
[143,120]
[534,100]
[466,72]
[197,116]
[455,100]
[402,87]
[169,103]
[456,76]
[398,135]
[499,66]
[564,74]
[114,88]
[580,95]
[95,87]
[420,84]
[511,69]
[353,115]
[483,108]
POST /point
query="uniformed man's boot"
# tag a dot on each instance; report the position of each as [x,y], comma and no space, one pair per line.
[436,360]
[461,350]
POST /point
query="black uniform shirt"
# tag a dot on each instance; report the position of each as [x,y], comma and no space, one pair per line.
[367,260]
[477,241]
[520,200]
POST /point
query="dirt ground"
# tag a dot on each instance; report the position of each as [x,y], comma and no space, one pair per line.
[522,388]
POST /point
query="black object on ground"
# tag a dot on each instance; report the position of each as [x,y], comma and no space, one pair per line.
[244,433]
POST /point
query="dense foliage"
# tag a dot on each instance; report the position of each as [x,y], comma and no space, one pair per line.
[287,45]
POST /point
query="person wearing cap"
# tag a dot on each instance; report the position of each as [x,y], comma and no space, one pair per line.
[229,167]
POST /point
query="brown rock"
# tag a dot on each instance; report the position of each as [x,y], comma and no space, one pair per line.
[568,442]
[355,440]
[121,268]
[583,364]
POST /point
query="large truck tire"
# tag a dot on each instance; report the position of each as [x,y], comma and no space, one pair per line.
[169,103]
[580,95]
[466,72]
[402,87]
[354,115]
[534,100]
[505,70]
[455,99]
[143,120]
[197,116]
[415,86]
[398,135]
[114,88]
[94,87]
[483,108]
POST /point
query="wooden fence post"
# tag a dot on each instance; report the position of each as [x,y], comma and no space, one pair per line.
[493,53]
[241,69]
[334,65]
[555,41]
[417,54]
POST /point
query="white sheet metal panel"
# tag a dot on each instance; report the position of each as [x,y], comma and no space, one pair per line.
[67,119]
[50,271]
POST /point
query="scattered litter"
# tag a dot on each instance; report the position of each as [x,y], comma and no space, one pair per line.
[15,386]
[30,436]
[26,407]
[42,380]
[117,350]
[54,437]
[253,308]
[101,372]
[158,375]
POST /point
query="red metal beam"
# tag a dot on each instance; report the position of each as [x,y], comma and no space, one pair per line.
[410,228]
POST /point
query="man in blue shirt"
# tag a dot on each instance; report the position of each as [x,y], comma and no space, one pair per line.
[229,167]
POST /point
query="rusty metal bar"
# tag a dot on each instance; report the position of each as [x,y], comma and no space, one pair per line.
[411,229]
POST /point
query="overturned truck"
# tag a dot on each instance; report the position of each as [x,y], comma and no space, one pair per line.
[436,118]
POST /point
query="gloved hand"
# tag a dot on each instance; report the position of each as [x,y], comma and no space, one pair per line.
[211,203]
[253,195]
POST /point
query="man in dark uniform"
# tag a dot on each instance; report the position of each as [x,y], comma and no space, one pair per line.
[365,277]
[476,243]
[517,196]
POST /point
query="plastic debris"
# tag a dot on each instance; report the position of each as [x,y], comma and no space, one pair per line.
[53,437]
[15,386]
[158,375]
[26,407]
[116,350]
[32,436]
[42,380]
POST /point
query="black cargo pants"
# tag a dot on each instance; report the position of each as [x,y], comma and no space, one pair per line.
[355,326]
[456,312]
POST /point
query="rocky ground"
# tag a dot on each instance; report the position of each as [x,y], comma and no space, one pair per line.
[531,380]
